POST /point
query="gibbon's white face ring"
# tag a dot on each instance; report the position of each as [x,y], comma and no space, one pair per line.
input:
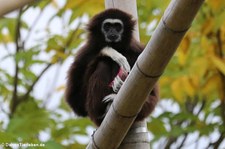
[116,34]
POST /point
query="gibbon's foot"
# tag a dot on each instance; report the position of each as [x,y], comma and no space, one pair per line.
[108,100]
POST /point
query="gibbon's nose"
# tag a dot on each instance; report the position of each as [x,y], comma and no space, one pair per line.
[112,37]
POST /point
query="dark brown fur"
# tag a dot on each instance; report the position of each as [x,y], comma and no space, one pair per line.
[90,74]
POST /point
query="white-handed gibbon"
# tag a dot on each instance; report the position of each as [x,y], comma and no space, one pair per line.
[102,65]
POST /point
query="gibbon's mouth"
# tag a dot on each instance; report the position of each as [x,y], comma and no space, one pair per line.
[113,38]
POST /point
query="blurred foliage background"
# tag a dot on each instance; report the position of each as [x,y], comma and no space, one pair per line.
[191,113]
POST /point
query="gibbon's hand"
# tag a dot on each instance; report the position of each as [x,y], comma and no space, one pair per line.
[118,80]
[117,83]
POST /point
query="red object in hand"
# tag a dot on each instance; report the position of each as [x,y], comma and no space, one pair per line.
[122,74]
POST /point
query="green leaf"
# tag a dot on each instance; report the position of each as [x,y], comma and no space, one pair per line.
[71,126]
[55,43]
[28,120]
[6,137]
[156,126]
[77,146]
[80,7]
[219,63]
[42,4]
[176,131]
[10,24]
[53,145]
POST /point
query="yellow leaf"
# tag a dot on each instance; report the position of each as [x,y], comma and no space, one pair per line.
[195,81]
[216,4]
[218,63]
[60,88]
[74,3]
[185,44]
[207,26]
[188,87]
[177,90]
[54,4]
[83,6]
[222,36]
[183,50]
[182,57]
[199,67]
[211,85]
[207,45]
[61,54]
[6,38]
[164,81]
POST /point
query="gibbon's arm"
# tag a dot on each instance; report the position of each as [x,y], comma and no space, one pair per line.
[98,87]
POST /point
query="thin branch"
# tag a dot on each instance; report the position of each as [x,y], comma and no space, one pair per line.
[219,52]
[32,27]
[183,141]
[14,101]
[202,107]
[35,21]
[191,110]
[25,97]
[217,143]
[52,86]
[67,44]
[6,48]
[2,109]
[170,141]
[70,39]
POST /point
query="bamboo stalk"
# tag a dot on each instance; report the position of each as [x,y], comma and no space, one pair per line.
[138,135]
[147,70]
[10,5]
[129,6]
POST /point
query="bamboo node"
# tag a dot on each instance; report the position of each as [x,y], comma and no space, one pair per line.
[146,75]
[172,30]
[122,116]
[139,129]
[93,140]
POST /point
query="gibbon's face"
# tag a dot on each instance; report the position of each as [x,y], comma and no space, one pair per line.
[112,30]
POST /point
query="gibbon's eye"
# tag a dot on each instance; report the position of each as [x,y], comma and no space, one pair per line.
[107,26]
[118,27]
